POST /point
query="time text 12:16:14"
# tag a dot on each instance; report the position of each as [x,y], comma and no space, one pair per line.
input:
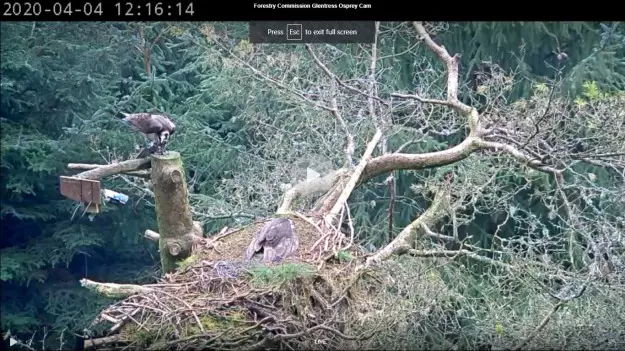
[154,9]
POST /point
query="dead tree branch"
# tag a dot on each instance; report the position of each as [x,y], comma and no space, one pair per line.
[351,184]
[87,166]
[310,188]
[112,290]
[91,343]
[406,239]
[102,171]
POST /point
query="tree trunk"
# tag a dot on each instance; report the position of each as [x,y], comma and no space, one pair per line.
[175,224]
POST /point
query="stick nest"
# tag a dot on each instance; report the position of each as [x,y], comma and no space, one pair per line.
[217,300]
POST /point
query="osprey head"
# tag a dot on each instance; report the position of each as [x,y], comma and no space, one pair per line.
[168,128]
[164,137]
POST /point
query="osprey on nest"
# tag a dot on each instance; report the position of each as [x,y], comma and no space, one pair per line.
[276,239]
[156,127]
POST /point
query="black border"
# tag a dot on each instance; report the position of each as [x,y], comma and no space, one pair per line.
[380,10]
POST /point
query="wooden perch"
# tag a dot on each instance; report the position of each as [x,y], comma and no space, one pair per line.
[111,169]
[175,224]
[85,186]
[86,191]
[88,166]
[112,290]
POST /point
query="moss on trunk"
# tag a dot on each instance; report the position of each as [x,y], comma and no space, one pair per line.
[172,209]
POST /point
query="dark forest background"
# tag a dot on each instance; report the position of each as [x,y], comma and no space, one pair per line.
[62,83]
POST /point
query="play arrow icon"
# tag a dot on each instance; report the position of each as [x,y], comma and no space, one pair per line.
[12,341]
[311,174]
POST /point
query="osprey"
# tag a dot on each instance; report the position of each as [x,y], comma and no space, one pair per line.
[156,127]
[277,240]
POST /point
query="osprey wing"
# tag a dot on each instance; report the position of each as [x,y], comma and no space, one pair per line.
[256,244]
[277,229]
[286,247]
[144,122]
[276,238]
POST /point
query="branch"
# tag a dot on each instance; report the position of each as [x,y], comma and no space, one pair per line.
[87,166]
[354,180]
[272,80]
[340,82]
[517,155]
[547,318]
[471,144]
[309,188]
[407,237]
[89,343]
[112,290]
[224,216]
[423,100]
[451,63]
[399,161]
[112,169]
[351,184]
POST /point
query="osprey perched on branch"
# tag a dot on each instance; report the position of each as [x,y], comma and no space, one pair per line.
[156,127]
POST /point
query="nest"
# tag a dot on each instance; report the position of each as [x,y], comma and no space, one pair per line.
[217,300]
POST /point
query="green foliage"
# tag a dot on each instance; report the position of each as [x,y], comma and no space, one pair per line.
[276,276]
[187,262]
[62,83]
[55,78]
[344,256]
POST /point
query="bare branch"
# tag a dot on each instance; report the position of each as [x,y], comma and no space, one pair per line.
[456,253]
[407,237]
[113,290]
[91,343]
[88,166]
[274,81]
[398,161]
[112,169]
[517,155]
[309,188]
[547,318]
[351,184]
[340,82]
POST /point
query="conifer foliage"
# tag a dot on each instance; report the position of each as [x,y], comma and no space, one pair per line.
[244,141]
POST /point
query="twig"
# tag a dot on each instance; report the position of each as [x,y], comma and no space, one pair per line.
[349,150]
[456,253]
[547,318]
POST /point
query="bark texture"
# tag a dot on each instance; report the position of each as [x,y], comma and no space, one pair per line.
[175,224]
[102,171]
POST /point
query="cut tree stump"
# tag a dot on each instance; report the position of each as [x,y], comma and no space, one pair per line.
[175,224]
